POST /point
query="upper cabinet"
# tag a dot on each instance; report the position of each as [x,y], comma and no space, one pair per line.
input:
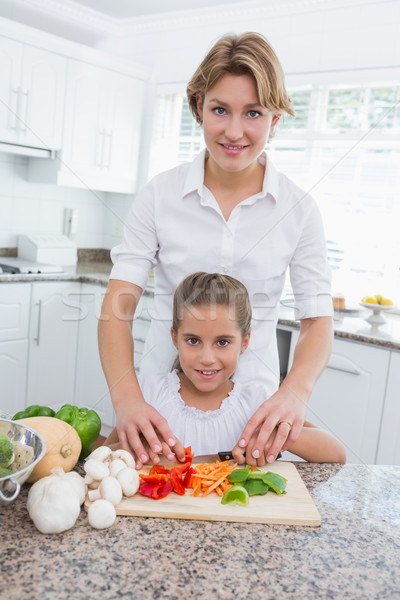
[102,128]
[32,89]
[75,111]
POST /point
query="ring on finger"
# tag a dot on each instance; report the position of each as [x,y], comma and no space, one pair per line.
[287,423]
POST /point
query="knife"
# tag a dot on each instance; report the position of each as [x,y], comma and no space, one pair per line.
[219,456]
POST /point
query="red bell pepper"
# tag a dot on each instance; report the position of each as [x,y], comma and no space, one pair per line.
[177,481]
[188,477]
[155,490]
[155,478]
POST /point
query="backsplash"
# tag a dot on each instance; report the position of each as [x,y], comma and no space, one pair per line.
[28,207]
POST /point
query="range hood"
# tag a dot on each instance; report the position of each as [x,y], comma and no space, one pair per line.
[26,150]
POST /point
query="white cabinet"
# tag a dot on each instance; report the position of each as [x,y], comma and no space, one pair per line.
[102,131]
[53,337]
[348,398]
[32,89]
[14,322]
[389,438]
[91,390]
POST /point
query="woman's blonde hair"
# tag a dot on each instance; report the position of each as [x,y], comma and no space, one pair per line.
[246,54]
[210,289]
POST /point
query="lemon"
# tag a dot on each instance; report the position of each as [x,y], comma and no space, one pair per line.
[386,302]
[370,300]
[379,298]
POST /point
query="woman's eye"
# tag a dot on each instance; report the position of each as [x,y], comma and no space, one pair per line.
[192,341]
[253,114]
[219,110]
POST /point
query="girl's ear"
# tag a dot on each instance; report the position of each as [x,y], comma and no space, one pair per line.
[199,105]
[245,343]
[173,336]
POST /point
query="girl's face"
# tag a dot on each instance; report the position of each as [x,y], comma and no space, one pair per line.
[209,343]
[236,127]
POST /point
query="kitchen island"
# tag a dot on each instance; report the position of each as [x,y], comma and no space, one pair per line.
[355,553]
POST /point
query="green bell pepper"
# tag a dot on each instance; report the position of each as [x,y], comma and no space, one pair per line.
[35,410]
[86,423]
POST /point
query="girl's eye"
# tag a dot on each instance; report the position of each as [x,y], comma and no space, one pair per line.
[222,343]
[253,114]
[219,110]
[192,341]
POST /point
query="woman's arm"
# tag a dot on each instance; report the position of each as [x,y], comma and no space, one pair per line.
[134,415]
[289,403]
[317,445]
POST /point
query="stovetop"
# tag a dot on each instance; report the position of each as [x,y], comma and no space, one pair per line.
[17,266]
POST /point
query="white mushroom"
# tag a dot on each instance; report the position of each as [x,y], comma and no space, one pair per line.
[94,484]
[109,489]
[96,470]
[125,456]
[101,453]
[101,514]
[116,466]
[129,481]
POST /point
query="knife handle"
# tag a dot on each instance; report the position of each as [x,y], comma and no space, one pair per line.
[228,456]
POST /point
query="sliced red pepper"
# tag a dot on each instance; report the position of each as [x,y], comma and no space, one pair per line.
[177,482]
[156,478]
[188,454]
[156,490]
[188,477]
[158,469]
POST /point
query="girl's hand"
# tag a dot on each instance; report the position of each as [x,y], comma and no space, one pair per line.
[284,405]
[138,422]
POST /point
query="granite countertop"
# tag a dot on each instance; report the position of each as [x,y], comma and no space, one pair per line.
[355,553]
[353,327]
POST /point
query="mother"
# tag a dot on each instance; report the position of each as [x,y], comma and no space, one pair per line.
[228,211]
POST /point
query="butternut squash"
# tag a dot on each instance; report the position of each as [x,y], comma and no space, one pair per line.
[63,445]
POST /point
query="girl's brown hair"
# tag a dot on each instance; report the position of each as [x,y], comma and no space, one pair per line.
[246,54]
[205,289]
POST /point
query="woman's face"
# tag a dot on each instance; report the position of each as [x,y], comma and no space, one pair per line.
[236,127]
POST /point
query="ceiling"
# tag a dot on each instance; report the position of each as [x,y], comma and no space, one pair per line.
[130,9]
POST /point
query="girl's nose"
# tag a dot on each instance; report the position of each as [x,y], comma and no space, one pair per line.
[234,128]
[207,356]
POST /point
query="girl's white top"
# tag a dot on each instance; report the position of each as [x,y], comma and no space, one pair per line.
[207,432]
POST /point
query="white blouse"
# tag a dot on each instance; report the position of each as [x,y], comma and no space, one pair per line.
[207,432]
[176,225]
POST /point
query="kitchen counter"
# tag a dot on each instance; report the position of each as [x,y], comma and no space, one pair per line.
[353,327]
[355,553]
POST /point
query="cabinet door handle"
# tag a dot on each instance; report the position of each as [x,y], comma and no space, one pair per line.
[13,112]
[24,121]
[344,370]
[99,150]
[107,160]
[37,338]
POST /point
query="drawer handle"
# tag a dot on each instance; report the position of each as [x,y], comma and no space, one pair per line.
[37,338]
[343,370]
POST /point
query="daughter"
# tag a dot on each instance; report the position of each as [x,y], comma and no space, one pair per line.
[204,405]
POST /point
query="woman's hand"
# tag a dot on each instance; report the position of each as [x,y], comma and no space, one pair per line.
[266,429]
[138,422]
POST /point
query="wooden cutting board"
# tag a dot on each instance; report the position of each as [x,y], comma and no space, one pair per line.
[294,508]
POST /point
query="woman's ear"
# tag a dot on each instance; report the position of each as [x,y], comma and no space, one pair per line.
[199,105]
[173,336]
[275,120]
[245,343]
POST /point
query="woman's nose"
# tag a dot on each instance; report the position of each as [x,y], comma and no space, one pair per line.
[234,128]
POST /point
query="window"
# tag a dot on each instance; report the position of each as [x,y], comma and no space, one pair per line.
[343,147]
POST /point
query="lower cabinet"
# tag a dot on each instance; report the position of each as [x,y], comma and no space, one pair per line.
[14,327]
[348,398]
[53,339]
[389,438]
[91,388]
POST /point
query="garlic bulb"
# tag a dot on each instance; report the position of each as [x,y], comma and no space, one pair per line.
[53,504]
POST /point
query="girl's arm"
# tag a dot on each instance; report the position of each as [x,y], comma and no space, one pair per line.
[134,415]
[317,445]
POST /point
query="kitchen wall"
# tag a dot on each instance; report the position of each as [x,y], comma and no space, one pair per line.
[26,207]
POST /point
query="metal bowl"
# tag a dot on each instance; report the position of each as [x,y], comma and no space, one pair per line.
[10,485]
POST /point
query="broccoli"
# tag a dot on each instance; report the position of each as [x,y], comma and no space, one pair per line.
[6,451]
